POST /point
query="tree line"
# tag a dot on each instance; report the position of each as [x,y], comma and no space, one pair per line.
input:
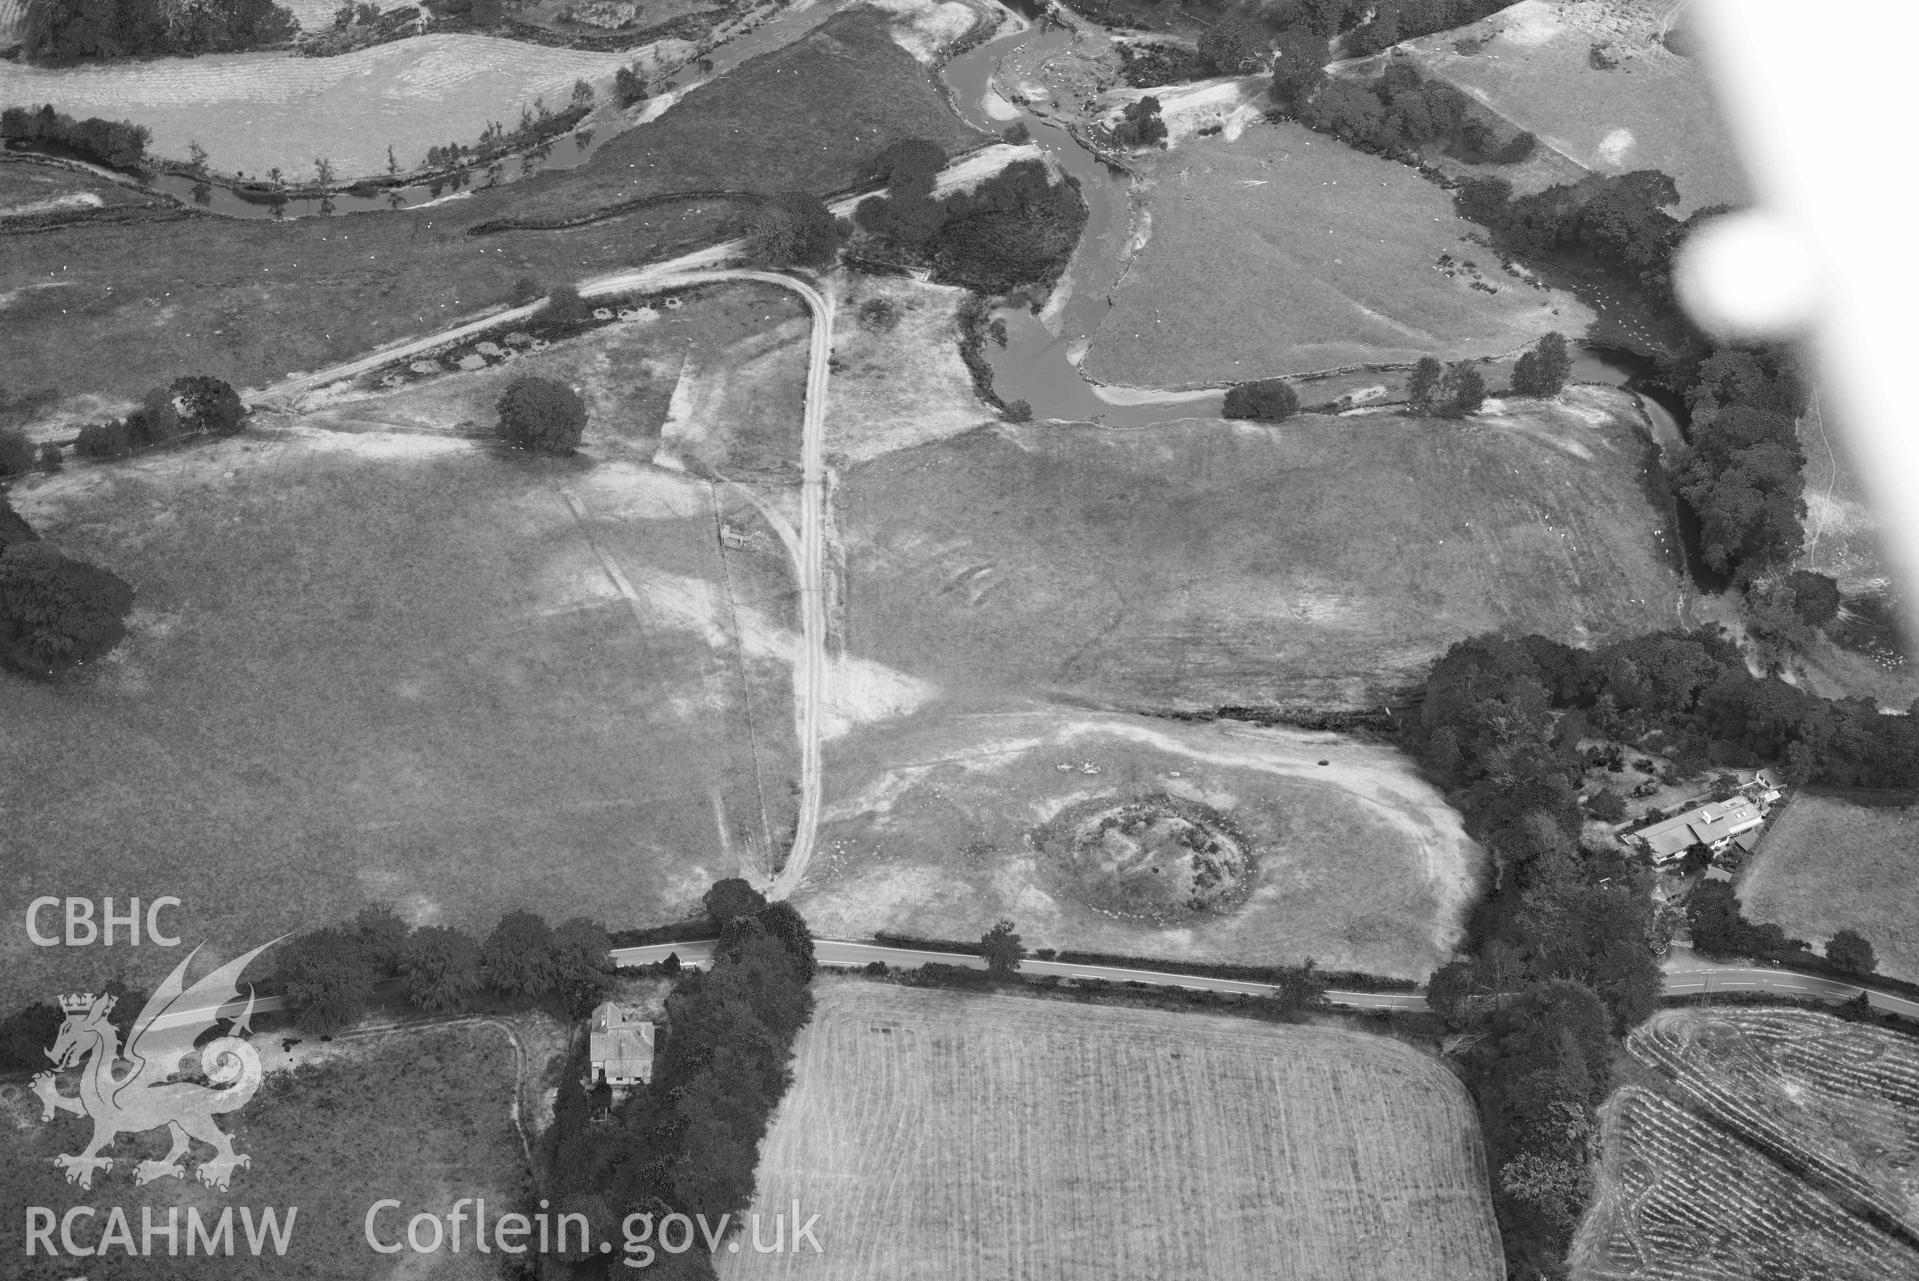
[57,612]
[117,144]
[71,30]
[1742,474]
[191,405]
[1560,957]
[329,975]
[689,1141]
[1401,111]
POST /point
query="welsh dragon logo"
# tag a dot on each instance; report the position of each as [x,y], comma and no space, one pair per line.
[143,1088]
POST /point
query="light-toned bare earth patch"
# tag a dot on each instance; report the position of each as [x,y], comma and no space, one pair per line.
[1321,562]
[1285,252]
[1533,65]
[972,1137]
[924,27]
[1829,864]
[902,385]
[932,828]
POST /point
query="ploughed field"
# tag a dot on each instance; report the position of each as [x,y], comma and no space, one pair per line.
[1767,1142]
[1315,563]
[970,1136]
[1830,863]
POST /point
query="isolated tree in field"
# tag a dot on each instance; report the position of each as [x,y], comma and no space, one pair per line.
[1001,948]
[327,977]
[1606,805]
[16,453]
[1422,385]
[792,229]
[1542,371]
[208,404]
[1462,390]
[1235,46]
[1268,400]
[518,955]
[539,413]
[731,897]
[440,967]
[57,612]
[1849,950]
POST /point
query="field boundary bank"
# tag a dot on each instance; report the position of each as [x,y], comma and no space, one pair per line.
[1353,980]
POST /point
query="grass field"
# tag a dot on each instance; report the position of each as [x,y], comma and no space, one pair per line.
[937,825]
[1829,864]
[712,384]
[255,111]
[1654,110]
[899,386]
[253,301]
[1318,563]
[833,99]
[1777,1143]
[967,1136]
[421,1117]
[379,665]
[1286,251]
[30,188]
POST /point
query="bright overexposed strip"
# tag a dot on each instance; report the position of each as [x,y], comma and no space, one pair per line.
[1821,124]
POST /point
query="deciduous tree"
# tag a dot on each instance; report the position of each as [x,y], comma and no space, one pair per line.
[441,970]
[518,955]
[326,975]
[1001,948]
[539,413]
[1849,950]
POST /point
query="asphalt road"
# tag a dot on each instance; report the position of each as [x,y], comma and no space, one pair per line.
[842,954]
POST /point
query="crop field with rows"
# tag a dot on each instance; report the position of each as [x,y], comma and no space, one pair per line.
[957,1135]
[1782,1145]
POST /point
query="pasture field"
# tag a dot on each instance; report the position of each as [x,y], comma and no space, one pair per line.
[31,187]
[256,111]
[941,823]
[1315,563]
[391,665]
[834,98]
[972,1136]
[1778,1143]
[1284,251]
[712,383]
[254,301]
[1828,864]
[903,385]
[421,1116]
[1532,64]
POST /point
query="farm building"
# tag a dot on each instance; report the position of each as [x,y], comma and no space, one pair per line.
[619,1046]
[1716,826]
